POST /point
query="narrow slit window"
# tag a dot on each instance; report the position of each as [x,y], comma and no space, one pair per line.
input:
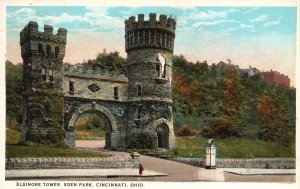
[44,74]
[40,48]
[116,93]
[139,112]
[56,52]
[164,71]
[51,75]
[71,87]
[48,51]
[139,90]
[157,70]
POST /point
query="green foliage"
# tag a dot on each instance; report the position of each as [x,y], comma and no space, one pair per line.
[141,141]
[14,89]
[90,127]
[209,93]
[46,106]
[219,127]
[17,151]
[111,61]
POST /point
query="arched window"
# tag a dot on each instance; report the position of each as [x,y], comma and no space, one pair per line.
[40,48]
[56,52]
[48,51]
[162,61]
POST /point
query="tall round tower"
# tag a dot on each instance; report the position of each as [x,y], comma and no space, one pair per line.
[149,46]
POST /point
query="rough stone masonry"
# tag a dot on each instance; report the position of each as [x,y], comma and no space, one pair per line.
[136,107]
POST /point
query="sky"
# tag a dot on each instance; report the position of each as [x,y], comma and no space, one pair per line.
[261,37]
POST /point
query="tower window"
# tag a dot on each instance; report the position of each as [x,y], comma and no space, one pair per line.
[56,52]
[139,113]
[139,89]
[40,48]
[71,87]
[158,70]
[51,75]
[116,93]
[44,74]
[48,51]
[162,61]
[164,71]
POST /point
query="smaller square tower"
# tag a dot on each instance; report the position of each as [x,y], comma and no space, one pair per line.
[42,54]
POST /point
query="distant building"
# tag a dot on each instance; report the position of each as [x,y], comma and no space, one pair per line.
[225,65]
[250,71]
[276,78]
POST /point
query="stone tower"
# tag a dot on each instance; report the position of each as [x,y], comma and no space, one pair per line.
[149,46]
[42,54]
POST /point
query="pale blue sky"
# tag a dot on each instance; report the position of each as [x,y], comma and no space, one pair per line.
[263,37]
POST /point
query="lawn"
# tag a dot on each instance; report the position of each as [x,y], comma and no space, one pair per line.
[232,148]
[18,151]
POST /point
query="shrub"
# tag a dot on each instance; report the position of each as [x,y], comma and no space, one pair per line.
[187,131]
[219,127]
[141,141]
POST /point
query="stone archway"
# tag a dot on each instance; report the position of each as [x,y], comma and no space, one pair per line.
[103,113]
[165,133]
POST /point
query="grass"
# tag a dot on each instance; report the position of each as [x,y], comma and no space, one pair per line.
[194,147]
[89,134]
[232,148]
[18,151]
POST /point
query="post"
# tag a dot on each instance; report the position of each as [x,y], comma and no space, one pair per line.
[136,159]
[210,162]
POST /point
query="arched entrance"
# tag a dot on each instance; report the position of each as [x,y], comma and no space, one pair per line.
[92,130]
[106,116]
[162,136]
[165,133]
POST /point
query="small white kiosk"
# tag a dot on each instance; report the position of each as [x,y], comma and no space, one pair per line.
[210,162]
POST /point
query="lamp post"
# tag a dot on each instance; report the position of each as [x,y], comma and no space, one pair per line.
[210,162]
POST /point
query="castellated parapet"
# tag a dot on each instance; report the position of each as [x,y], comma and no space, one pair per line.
[150,34]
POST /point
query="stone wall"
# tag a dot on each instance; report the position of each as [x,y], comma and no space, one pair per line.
[72,163]
[261,163]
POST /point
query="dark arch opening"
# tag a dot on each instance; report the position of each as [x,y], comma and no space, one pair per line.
[93,130]
[162,136]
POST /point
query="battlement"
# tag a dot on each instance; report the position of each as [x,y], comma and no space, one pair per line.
[164,23]
[102,74]
[32,31]
[150,34]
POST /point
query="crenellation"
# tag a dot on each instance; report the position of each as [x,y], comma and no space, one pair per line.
[163,20]
[48,30]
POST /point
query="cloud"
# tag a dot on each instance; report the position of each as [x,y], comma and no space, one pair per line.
[23,12]
[245,26]
[210,15]
[261,18]
[272,23]
[212,23]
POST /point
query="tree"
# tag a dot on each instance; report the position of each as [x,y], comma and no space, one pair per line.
[112,61]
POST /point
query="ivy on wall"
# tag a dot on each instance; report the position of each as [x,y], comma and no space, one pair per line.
[45,107]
